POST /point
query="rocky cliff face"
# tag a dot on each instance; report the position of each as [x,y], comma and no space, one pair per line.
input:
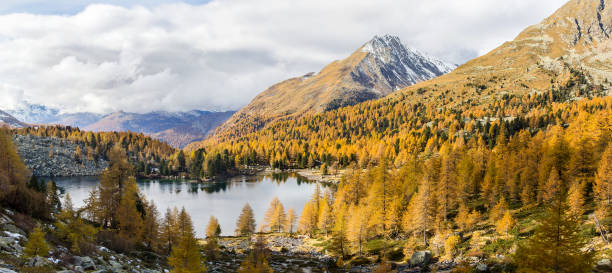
[48,156]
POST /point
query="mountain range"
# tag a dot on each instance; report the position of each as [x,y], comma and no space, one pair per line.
[176,128]
[379,67]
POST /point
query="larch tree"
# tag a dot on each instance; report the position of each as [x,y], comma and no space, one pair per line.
[245,224]
[603,184]
[308,221]
[36,245]
[505,224]
[556,245]
[129,218]
[339,241]
[289,226]
[151,226]
[185,256]
[325,220]
[357,232]
[575,199]
[168,231]
[213,229]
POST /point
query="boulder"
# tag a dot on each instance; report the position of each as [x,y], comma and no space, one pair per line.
[603,265]
[37,262]
[85,262]
[420,258]
[481,267]
[6,270]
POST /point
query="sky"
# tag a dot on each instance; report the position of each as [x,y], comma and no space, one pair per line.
[106,56]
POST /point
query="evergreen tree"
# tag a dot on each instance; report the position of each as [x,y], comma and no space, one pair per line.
[185,256]
[245,225]
[53,197]
[36,245]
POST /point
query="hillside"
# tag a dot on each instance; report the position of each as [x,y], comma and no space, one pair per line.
[177,129]
[378,68]
[574,40]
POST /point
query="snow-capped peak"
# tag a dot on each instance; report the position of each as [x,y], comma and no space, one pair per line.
[408,65]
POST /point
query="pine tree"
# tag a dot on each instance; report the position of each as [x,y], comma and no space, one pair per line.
[555,245]
[36,245]
[246,222]
[213,229]
[289,226]
[185,256]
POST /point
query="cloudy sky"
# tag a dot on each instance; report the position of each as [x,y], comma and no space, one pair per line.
[104,56]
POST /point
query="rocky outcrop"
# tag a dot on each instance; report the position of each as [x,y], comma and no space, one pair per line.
[49,156]
[12,240]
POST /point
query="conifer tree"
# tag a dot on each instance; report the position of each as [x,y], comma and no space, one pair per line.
[151,227]
[185,256]
[289,226]
[246,222]
[556,245]
[357,231]
[213,229]
[256,261]
[36,245]
[168,230]
[553,187]
[603,184]
[308,220]
[504,224]
[575,199]
[325,220]
[53,197]
[339,241]
[128,218]
[275,216]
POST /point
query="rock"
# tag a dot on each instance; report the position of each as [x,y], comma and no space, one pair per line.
[481,267]
[37,262]
[85,262]
[115,265]
[12,229]
[420,258]
[6,270]
[603,265]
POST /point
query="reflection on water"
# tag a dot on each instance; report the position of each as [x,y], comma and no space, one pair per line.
[223,199]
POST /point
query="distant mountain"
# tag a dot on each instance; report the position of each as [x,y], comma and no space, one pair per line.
[176,128]
[380,67]
[40,114]
[10,121]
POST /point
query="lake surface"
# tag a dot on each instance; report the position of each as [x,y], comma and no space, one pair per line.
[223,199]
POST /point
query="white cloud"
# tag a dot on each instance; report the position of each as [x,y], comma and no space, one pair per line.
[220,55]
